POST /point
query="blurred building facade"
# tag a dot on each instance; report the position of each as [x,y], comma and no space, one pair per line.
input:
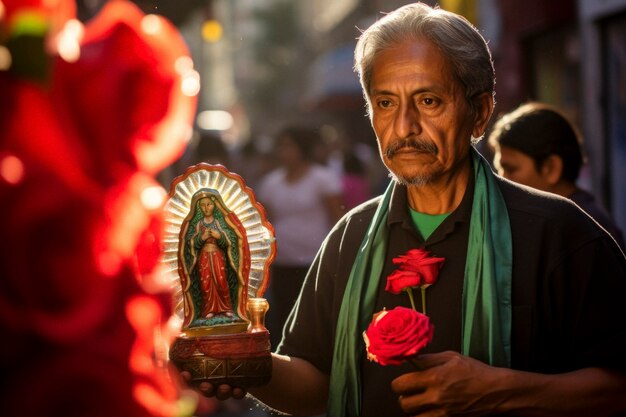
[603,105]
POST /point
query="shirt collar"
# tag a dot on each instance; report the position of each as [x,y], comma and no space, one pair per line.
[399,213]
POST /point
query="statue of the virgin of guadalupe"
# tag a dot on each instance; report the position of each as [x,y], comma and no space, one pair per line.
[217,249]
[215,262]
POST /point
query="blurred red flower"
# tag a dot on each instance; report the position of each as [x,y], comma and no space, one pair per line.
[78,152]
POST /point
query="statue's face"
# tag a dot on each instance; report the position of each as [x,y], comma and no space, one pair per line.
[206,205]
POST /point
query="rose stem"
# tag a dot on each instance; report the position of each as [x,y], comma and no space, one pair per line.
[409,291]
[423,290]
[415,365]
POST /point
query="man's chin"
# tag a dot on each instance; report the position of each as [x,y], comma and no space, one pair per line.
[411,180]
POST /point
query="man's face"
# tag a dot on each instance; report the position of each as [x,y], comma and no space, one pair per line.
[519,167]
[419,113]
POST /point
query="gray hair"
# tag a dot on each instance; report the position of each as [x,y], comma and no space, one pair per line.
[457,39]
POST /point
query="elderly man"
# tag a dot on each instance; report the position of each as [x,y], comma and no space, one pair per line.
[528,307]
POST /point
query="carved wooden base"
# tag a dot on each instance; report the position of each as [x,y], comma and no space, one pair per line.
[240,360]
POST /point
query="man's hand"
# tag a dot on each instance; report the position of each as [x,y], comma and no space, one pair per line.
[308,397]
[221,392]
[448,384]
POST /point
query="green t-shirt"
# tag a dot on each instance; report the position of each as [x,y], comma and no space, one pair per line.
[426,223]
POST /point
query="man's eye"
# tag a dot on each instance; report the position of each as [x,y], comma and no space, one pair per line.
[384,103]
[428,101]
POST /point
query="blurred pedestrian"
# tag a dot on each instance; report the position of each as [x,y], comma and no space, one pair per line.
[356,186]
[303,200]
[537,146]
[254,160]
[205,146]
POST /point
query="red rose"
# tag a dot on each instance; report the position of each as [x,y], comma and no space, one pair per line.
[396,335]
[400,280]
[416,269]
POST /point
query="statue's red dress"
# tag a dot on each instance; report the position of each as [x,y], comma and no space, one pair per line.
[212,269]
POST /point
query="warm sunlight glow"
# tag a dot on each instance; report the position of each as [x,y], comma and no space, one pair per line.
[215,120]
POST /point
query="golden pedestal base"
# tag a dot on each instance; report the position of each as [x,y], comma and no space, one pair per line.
[240,360]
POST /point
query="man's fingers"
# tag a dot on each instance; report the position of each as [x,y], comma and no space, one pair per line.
[239,393]
[186,376]
[430,360]
[223,392]
[207,388]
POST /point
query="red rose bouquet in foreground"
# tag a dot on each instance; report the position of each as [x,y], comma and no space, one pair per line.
[397,335]
[416,269]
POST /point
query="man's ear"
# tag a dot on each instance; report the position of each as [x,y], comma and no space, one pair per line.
[484,108]
[552,169]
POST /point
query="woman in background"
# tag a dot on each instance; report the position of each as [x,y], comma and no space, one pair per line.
[303,200]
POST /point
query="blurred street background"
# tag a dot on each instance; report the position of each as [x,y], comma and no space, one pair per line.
[87,146]
[266,63]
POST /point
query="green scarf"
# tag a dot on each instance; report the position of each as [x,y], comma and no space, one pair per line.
[486,291]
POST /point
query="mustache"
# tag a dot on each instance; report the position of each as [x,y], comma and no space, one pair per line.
[418,144]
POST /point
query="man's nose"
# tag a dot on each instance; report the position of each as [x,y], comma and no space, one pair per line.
[407,121]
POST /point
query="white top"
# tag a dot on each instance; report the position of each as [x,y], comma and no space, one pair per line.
[298,212]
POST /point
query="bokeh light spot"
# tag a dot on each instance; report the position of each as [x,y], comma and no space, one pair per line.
[5,58]
[152,197]
[109,263]
[151,24]
[212,31]
[11,169]
[183,64]
[190,83]
[68,44]
[142,312]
